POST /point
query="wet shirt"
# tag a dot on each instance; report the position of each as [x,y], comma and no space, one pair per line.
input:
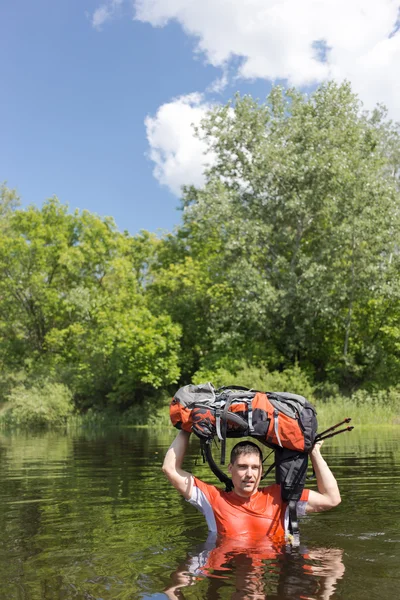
[228,514]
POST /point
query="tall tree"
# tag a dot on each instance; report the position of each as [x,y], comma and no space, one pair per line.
[298,225]
[72,305]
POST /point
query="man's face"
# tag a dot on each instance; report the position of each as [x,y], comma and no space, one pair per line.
[246,474]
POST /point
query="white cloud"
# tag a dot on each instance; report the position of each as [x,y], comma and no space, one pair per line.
[219,84]
[277,39]
[105,12]
[178,155]
[303,42]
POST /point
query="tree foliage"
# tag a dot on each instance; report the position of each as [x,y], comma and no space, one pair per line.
[72,306]
[296,236]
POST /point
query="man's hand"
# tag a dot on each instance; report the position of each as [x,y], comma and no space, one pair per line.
[328,495]
[316,448]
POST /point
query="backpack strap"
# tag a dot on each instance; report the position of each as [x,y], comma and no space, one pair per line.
[250,417]
[290,472]
[239,388]
[225,416]
[206,450]
[293,522]
[218,423]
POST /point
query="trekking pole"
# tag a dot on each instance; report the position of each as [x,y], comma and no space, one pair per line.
[320,438]
[319,435]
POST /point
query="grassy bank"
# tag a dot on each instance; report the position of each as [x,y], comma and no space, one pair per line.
[364,410]
[381,408]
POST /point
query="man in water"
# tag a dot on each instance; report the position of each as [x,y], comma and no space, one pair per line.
[246,510]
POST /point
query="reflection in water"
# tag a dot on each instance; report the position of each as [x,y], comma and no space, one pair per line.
[257,571]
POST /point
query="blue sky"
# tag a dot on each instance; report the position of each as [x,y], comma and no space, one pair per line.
[80,78]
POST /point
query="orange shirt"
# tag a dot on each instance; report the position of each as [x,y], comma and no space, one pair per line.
[228,514]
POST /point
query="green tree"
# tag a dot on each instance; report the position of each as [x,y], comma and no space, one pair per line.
[9,201]
[72,306]
[297,225]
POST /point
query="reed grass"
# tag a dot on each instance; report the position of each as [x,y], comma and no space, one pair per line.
[336,409]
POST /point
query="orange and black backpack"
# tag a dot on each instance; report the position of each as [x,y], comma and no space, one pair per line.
[284,422]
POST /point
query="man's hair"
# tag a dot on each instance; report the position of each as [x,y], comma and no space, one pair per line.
[245,448]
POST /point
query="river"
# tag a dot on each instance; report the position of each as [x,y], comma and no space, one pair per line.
[88,515]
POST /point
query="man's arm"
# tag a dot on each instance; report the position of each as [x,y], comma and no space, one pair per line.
[172,466]
[328,495]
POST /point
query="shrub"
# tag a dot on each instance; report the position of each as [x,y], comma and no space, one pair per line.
[38,405]
[9,380]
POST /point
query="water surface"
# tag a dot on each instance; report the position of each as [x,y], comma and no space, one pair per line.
[89,516]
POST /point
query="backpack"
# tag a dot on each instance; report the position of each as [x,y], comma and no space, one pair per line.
[284,422]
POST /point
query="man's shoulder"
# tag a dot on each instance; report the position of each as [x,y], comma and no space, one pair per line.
[201,489]
[274,491]
[271,490]
[203,485]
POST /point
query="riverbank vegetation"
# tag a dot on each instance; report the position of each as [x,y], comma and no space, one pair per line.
[284,273]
